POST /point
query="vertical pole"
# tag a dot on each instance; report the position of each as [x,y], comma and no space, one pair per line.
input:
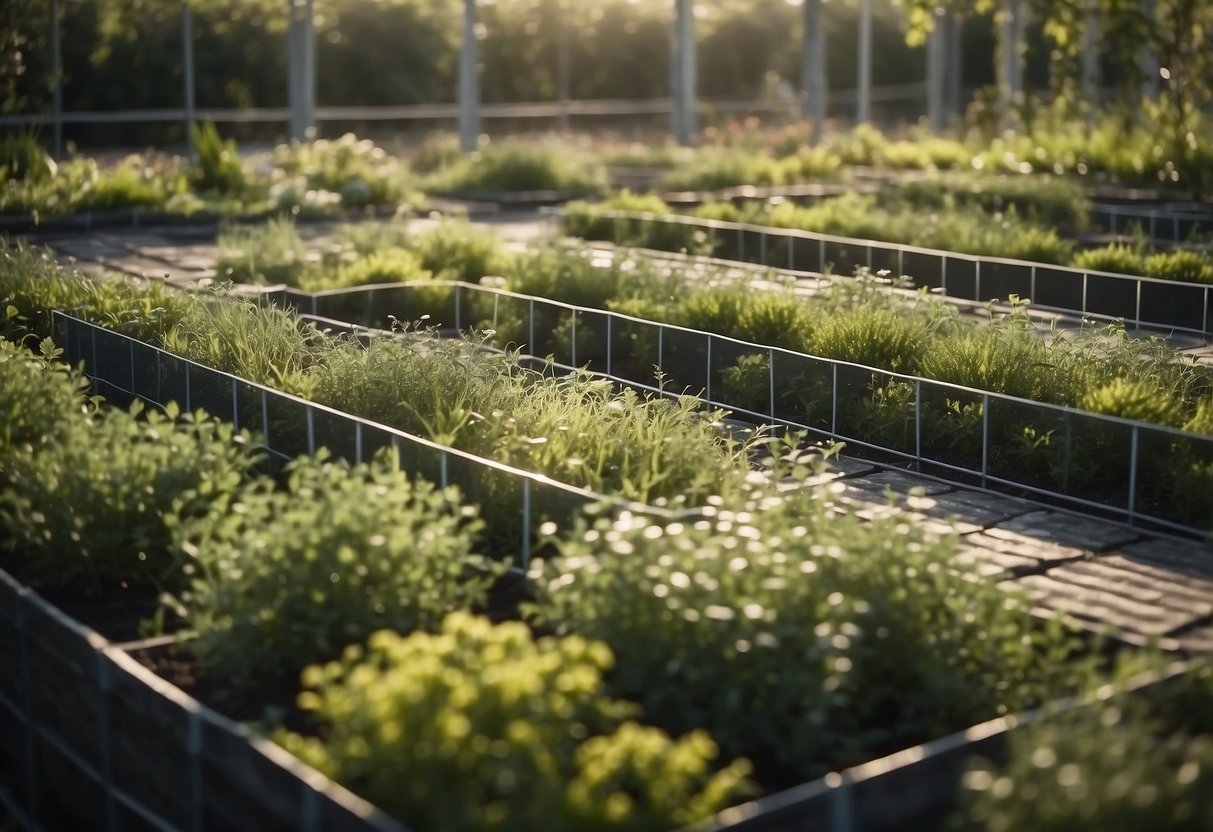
[469,82]
[813,68]
[308,72]
[1133,456]
[953,23]
[526,524]
[563,64]
[863,112]
[683,82]
[294,86]
[187,74]
[985,438]
[1147,61]
[1010,70]
[1090,62]
[917,425]
[936,83]
[771,382]
[57,79]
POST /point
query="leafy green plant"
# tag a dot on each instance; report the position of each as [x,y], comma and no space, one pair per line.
[355,172]
[783,628]
[41,398]
[1132,761]
[283,577]
[87,512]
[515,733]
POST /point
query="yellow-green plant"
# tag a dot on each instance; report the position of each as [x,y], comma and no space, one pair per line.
[483,727]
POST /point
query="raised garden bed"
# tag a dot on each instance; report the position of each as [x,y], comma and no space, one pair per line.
[1140,301]
[95,740]
[232,395]
[1103,462]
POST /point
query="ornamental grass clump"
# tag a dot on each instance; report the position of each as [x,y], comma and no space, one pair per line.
[1181,264]
[586,220]
[522,166]
[1116,258]
[576,429]
[388,265]
[800,638]
[484,727]
[269,253]
[873,337]
[457,250]
[259,343]
[1044,199]
[715,168]
[33,283]
[218,167]
[573,273]
[283,576]
[1141,401]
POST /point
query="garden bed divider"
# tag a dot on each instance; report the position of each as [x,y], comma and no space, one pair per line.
[694,360]
[102,742]
[910,790]
[1140,301]
[124,369]
[94,740]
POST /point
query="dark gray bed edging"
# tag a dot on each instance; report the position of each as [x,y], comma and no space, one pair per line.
[93,740]
[1140,301]
[908,791]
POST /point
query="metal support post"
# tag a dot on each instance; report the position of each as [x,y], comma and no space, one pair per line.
[57,79]
[683,81]
[813,68]
[187,74]
[863,111]
[469,81]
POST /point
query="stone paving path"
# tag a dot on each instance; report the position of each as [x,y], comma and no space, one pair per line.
[1135,586]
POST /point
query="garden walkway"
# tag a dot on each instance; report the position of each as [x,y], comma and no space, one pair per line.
[1135,586]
